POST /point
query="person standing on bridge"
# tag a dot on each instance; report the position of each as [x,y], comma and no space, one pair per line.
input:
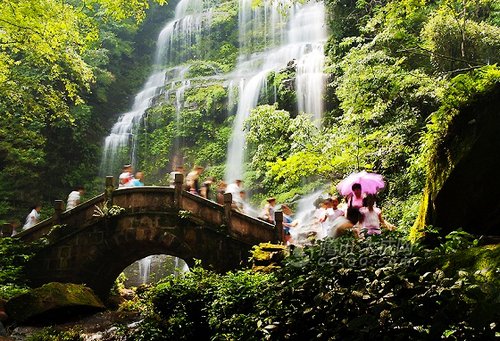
[206,191]
[33,218]
[235,187]
[75,197]
[126,177]
[138,181]
[193,180]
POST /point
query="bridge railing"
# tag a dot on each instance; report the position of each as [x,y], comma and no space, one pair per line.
[166,199]
[77,215]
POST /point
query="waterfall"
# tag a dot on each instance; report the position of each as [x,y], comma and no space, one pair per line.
[123,132]
[145,269]
[308,27]
[176,36]
[275,35]
[151,268]
[300,40]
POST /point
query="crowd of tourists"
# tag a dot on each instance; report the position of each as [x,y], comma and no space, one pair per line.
[330,217]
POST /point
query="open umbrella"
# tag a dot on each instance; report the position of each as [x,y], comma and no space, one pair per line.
[370,183]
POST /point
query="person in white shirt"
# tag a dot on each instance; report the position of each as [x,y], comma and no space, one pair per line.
[75,197]
[342,225]
[33,218]
[235,188]
[267,213]
[238,203]
[126,177]
[333,211]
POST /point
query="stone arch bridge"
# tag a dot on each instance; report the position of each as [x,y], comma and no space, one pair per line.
[95,241]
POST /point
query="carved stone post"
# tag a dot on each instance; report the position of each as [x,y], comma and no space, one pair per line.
[58,210]
[178,182]
[228,201]
[278,218]
[109,187]
[6,230]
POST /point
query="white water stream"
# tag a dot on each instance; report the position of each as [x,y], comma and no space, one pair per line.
[301,40]
[177,35]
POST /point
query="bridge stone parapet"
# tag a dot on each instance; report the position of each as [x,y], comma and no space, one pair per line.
[93,249]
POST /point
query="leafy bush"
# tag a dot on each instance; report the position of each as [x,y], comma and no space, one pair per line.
[14,254]
[379,288]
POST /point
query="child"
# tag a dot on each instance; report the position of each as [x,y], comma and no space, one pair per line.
[371,216]
[333,210]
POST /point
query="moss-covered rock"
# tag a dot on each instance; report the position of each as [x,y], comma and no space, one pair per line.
[461,152]
[54,301]
[267,257]
[483,262]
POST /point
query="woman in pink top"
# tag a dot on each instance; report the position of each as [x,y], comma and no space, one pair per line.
[355,199]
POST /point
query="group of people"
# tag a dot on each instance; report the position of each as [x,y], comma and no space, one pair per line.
[127,178]
[33,218]
[359,214]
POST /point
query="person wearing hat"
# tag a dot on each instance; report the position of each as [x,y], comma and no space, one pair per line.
[125,178]
[268,211]
[205,191]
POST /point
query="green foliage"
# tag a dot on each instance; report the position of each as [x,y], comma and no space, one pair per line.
[382,287]
[458,240]
[119,284]
[52,55]
[462,91]
[107,211]
[181,303]
[198,132]
[52,334]
[14,254]
[459,36]
[201,68]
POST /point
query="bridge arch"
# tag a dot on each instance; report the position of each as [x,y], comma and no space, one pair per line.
[94,249]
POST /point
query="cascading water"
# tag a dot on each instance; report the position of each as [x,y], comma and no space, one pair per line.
[303,43]
[123,132]
[177,35]
[145,269]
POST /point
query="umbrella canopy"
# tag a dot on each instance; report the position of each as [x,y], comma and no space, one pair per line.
[370,183]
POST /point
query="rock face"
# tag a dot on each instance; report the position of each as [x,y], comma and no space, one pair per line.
[463,193]
[55,301]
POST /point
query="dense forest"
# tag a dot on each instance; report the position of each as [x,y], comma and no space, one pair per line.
[391,66]
[408,88]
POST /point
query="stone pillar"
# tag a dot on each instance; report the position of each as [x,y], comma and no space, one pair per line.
[6,230]
[108,191]
[178,182]
[58,210]
[278,218]
[228,201]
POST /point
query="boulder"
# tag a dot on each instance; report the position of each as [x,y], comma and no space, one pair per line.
[53,301]
[463,183]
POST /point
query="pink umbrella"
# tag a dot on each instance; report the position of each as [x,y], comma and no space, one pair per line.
[370,183]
